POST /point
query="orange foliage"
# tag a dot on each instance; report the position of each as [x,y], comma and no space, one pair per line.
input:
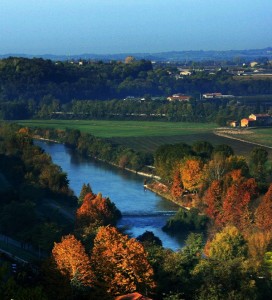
[24,131]
[258,243]
[95,210]
[121,263]
[72,261]
[237,200]
[263,213]
[191,174]
[176,190]
[213,200]
[236,175]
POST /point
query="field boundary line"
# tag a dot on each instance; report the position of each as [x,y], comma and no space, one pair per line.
[240,140]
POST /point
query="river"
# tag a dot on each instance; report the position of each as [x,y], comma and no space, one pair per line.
[141,209]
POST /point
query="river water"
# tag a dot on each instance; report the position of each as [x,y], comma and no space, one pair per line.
[141,209]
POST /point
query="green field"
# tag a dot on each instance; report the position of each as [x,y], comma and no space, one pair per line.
[148,136]
[109,129]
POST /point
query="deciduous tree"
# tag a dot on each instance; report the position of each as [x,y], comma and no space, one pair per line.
[121,263]
[72,261]
[86,189]
[213,201]
[191,173]
[228,244]
[176,189]
[263,213]
[237,200]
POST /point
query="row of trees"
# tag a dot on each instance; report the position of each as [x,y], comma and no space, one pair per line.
[87,144]
[36,88]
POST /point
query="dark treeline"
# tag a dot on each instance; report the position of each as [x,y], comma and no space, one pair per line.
[27,178]
[219,111]
[98,148]
[37,87]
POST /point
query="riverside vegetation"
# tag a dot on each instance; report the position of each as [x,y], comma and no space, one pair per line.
[225,194]
[234,196]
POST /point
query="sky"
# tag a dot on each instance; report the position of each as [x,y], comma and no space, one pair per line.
[72,27]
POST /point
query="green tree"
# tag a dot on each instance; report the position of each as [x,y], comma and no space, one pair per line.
[86,189]
[258,160]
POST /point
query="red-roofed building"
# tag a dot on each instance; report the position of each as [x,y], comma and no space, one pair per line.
[247,122]
[179,97]
[262,119]
[133,296]
[212,95]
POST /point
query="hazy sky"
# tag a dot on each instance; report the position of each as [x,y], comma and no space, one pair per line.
[120,26]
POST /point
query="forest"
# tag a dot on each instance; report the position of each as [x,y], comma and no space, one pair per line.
[225,195]
[37,88]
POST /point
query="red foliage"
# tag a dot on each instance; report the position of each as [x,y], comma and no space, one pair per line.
[176,189]
[95,210]
[263,213]
[213,200]
[236,202]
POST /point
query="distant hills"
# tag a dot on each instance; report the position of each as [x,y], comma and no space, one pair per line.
[172,56]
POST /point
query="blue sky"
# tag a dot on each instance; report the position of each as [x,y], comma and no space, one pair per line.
[119,26]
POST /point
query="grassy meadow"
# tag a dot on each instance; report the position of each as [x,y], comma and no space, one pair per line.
[110,129]
[148,136]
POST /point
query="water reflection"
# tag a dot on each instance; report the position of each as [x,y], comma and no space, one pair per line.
[142,209]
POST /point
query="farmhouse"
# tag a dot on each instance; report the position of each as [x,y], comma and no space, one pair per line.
[247,122]
[179,97]
[233,123]
[186,72]
[211,95]
[257,120]
[262,119]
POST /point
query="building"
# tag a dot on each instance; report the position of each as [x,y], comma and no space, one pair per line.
[247,122]
[261,119]
[186,72]
[211,95]
[179,97]
[233,123]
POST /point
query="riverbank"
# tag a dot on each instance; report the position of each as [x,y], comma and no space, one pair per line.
[155,186]
[142,209]
[164,191]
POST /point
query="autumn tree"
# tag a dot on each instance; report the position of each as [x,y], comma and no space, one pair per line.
[72,261]
[263,213]
[191,173]
[121,263]
[216,168]
[258,244]
[129,59]
[96,210]
[213,200]
[238,197]
[226,272]
[228,244]
[176,189]
[236,162]
[167,157]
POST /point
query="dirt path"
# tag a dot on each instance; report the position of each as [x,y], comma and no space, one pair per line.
[229,136]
